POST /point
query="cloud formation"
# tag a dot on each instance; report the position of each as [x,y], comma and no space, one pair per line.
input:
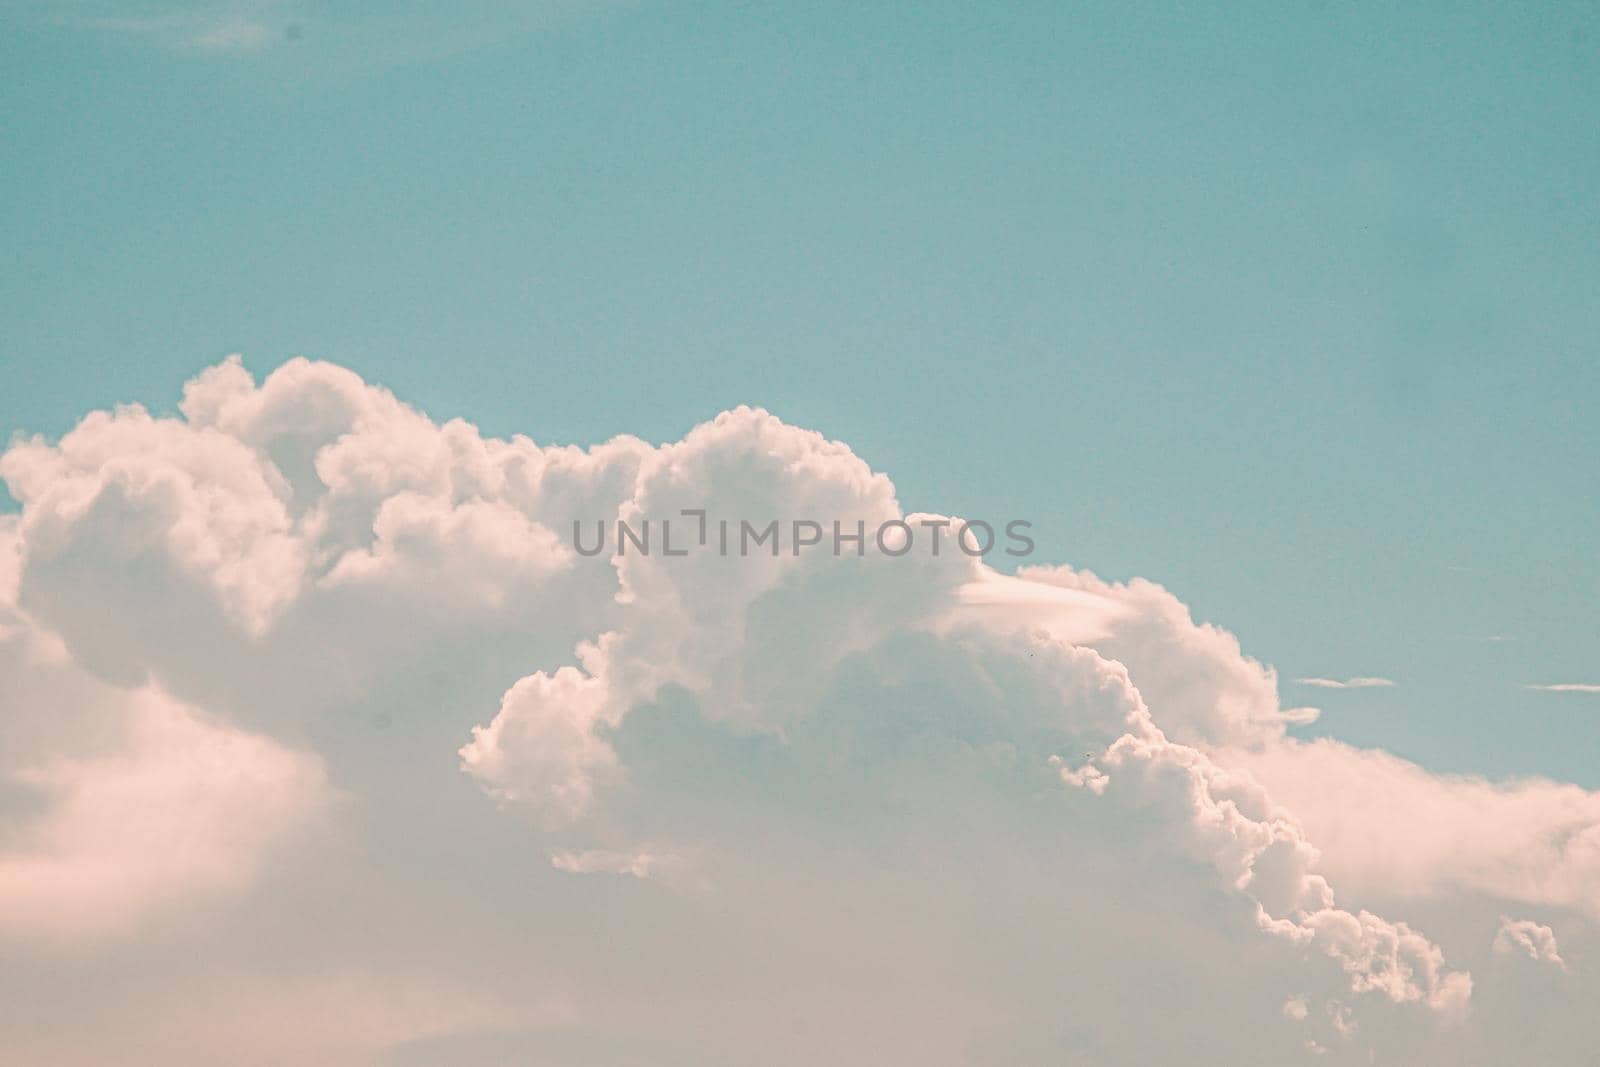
[198,28]
[1528,938]
[309,42]
[309,687]
[1348,683]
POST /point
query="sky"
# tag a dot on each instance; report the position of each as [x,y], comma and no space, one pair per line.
[1289,308]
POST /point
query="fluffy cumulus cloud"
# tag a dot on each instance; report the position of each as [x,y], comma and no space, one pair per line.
[318,720]
[1527,938]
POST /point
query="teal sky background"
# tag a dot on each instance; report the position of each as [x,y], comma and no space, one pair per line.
[1294,309]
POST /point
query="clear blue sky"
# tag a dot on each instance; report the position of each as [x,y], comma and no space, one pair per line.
[1292,309]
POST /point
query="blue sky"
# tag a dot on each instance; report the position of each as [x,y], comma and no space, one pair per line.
[1290,309]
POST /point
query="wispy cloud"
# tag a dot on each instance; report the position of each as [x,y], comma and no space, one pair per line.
[603,861]
[240,35]
[312,37]
[1348,683]
[1567,687]
[198,30]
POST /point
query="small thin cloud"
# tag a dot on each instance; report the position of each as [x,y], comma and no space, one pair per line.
[197,30]
[318,40]
[1567,687]
[1348,683]
[603,861]
[235,36]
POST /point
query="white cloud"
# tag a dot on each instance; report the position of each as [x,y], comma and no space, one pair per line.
[1567,687]
[980,817]
[1387,828]
[235,35]
[137,803]
[1525,937]
[636,864]
[314,41]
[196,27]
[1348,683]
